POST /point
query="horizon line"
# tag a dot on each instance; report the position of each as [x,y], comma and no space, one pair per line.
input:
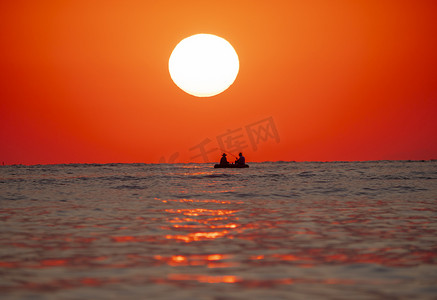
[255,162]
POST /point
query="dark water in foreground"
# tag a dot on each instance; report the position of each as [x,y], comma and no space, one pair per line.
[187,231]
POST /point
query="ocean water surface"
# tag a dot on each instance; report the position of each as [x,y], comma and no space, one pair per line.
[282,230]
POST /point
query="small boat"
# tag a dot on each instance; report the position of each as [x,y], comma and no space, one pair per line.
[217,166]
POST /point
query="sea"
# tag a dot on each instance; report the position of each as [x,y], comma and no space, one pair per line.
[276,230]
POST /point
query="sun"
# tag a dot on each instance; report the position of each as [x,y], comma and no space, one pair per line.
[203,65]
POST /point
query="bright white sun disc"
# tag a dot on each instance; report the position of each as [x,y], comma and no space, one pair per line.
[203,65]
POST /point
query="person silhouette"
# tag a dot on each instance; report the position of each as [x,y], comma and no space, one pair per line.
[241,160]
[223,160]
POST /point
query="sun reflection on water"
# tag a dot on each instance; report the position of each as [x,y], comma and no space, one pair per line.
[199,224]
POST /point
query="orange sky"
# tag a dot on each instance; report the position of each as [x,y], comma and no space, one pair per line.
[88,81]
